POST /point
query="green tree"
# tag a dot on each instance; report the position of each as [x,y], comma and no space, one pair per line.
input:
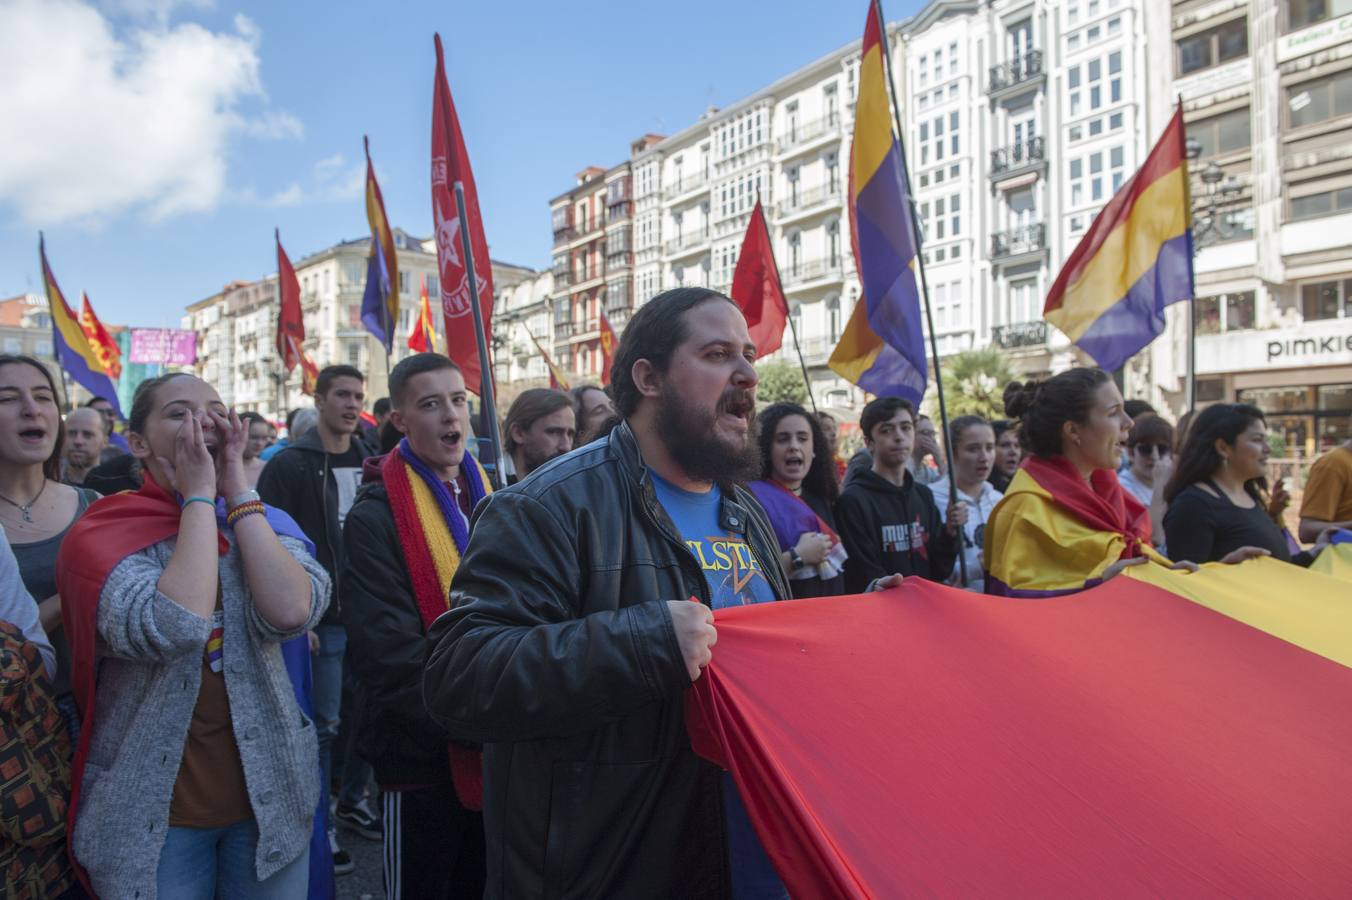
[974,383]
[781,383]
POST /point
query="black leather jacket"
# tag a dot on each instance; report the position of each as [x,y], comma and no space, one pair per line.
[559,655]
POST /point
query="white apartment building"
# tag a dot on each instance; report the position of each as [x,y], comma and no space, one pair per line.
[237,327]
[1267,94]
[521,306]
[989,92]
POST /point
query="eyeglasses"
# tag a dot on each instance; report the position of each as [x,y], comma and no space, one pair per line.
[1161,450]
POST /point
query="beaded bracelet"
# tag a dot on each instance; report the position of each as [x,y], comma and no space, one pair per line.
[207,500]
[252,508]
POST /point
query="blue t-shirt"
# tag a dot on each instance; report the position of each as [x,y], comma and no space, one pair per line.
[735,578]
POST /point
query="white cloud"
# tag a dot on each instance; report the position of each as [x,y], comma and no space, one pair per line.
[99,123]
[158,10]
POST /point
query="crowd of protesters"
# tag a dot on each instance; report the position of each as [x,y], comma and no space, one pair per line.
[220,645]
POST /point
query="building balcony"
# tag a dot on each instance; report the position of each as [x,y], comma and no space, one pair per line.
[1015,159]
[564,235]
[562,278]
[590,229]
[801,136]
[580,330]
[686,244]
[621,260]
[686,185]
[1020,334]
[1017,73]
[1019,241]
[620,212]
[810,270]
[807,200]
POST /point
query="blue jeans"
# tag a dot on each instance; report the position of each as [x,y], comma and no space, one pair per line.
[204,863]
[328,696]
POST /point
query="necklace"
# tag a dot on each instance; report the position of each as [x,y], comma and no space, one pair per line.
[26,508]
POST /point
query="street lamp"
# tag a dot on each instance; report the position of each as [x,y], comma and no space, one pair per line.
[1220,191]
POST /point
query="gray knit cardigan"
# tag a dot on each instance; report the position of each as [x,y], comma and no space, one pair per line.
[150,668]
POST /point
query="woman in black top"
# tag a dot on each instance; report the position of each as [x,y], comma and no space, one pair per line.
[1217,500]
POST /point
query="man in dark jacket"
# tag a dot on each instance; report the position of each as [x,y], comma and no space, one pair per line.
[315,480]
[434,846]
[888,521]
[572,636]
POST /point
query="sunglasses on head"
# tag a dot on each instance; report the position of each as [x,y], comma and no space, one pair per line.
[1159,449]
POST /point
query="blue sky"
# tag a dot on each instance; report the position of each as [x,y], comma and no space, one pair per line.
[160,141]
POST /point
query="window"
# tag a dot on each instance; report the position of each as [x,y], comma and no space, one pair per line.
[833,319]
[832,161]
[924,70]
[1115,167]
[1095,180]
[1319,100]
[1325,299]
[1076,182]
[1328,203]
[403,283]
[1114,25]
[953,58]
[1213,46]
[1225,312]
[829,101]
[354,354]
[1225,133]
[1300,13]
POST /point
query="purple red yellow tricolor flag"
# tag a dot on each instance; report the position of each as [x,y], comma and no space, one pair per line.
[609,344]
[1164,734]
[423,337]
[380,301]
[882,348]
[1135,260]
[100,340]
[71,345]
[557,379]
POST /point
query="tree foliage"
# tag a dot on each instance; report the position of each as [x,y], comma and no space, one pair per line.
[974,383]
[781,382]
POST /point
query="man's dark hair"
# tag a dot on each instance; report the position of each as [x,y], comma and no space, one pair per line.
[1043,407]
[529,406]
[107,426]
[1150,429]
[248,418]
[579,393]
[881,410]
[381,406]
[1137,408]
[654,333]
[408,367]
[821,473]
[329,373]
[291,418]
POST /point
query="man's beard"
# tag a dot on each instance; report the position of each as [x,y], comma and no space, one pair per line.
[695,446]
[534,460]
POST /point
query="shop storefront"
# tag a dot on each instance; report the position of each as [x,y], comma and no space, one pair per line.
[1301,377]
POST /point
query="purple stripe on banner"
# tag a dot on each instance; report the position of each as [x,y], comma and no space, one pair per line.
[998,588]
[1131,323]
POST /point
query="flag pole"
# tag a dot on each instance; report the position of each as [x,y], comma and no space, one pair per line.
[481,344]
[793,329]
[1190,387]
[924,289]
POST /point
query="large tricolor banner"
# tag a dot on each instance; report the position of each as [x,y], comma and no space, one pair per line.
[70,344]
[1162,735]
[1135,260]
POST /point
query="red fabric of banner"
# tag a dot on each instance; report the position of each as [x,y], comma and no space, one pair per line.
[1119,742]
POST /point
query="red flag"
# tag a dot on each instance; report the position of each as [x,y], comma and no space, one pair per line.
[423,337]
[608,344]
[756,289]
[450,166]
[290,322]
[100,341]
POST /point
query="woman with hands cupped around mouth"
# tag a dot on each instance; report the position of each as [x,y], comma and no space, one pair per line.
[197,776]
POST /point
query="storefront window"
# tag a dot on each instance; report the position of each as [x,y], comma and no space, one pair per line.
[1335,396]
[1239,310]
[1208,311]
[1276,400]
[1226,312]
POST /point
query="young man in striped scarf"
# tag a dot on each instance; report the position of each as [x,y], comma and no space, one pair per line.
[404,536]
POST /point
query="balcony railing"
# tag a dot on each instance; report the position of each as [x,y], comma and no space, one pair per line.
[563,330]
[619,212]
[1020,334]
[685,185]
[809,270]
[1017,156]
[562,278]
[808,131]
[622,260]
[1016,71]
[1028,239]
[564,235]
[618,317]
[806,199]
[686,242]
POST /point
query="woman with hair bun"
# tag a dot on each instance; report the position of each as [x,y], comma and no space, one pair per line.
[1065,522]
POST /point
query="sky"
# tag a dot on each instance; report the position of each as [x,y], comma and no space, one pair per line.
[157,143]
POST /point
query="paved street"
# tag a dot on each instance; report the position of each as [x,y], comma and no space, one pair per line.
[365,882]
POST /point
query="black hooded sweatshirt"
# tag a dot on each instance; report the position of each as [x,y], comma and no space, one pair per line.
[888,529]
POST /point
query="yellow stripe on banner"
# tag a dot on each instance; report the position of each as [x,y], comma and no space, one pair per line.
[872,120]
[1307,608]
[1132,247]
[71,332]
[858,347]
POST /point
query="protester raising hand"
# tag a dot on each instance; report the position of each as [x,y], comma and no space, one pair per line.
[232,435]
[191,472]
